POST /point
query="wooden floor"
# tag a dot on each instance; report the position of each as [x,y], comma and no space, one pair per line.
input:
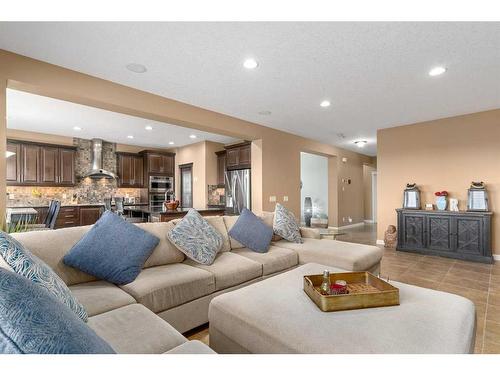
[478,282]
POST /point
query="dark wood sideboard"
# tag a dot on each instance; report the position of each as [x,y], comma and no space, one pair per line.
[459,235]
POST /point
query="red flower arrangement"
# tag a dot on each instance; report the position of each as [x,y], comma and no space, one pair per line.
[443,193]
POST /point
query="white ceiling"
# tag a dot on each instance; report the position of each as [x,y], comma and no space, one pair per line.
[41,114]
[375,74]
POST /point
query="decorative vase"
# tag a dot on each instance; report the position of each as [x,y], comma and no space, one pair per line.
[441,203]
[308,211]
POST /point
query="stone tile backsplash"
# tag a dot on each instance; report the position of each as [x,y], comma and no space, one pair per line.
[86,190]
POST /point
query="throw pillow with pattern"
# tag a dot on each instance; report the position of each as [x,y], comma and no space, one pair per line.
[285,225]
[196,238]
[34,269]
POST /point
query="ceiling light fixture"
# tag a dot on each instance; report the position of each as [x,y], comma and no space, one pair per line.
[130,136]
[250,63]
[325,103]
[170,143]
[8,154]
[148,127]
[192,136]
[438,70]
[360,144]
[136,68]
[77,128]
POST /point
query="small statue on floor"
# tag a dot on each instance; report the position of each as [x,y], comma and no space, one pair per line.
[390,237]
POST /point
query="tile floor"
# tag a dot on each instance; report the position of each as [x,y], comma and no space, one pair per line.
[478,282]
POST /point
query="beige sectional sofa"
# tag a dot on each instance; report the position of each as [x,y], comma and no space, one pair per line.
[172,293]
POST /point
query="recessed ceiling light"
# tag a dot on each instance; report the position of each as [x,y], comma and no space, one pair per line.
[264,113]
[438,70]
[148,127]
[250,63]
[130,136]
[192,136]
[77,128]
[325,103]
[170,143]
[360,144]
[136,68]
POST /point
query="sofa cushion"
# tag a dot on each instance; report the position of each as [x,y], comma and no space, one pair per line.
[218,223]
[285,224]
[192,347]
[165,252]
[229,221]
[230,269]
[35,270]
[196,238]
[51,246]
[133,329]
[251,231]
[163,287]
[275,260]
[100,296]
[33,321]
[113,250]
[346,255]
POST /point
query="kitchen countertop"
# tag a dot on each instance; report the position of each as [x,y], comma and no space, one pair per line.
[75,205]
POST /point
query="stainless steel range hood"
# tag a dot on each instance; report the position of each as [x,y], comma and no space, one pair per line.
[97,171]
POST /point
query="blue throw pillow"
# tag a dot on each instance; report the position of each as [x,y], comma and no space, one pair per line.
[33,321]
[113,250]
[252,232]
[196,238]
[26,264]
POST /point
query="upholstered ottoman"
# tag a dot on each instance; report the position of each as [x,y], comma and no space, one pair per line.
[276,316]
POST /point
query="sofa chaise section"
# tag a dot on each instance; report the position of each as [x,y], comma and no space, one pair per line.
[277,259]
[346,255]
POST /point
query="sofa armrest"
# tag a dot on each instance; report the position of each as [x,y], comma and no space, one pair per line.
[310,232]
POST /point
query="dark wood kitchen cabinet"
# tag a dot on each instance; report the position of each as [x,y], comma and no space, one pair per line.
[460,235]
[158,163]
[35,164]
[89,215]
[13,172]
[221,167]
[238,156]
[130,170]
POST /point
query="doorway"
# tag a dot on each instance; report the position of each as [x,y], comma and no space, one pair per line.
[186,174]
[314,189]
[374,196]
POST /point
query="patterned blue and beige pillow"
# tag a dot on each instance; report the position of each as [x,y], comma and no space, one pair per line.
[196,238]
[285,225]
[34,321]
[28,265]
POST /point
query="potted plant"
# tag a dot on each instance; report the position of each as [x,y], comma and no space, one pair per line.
[441,200]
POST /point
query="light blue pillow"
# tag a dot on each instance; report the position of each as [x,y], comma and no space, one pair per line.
[285,225]
[33,321]
[113,250]
[252,232]
[196,238]
[28,265]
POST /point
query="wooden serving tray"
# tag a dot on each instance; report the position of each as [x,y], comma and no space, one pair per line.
[365,291]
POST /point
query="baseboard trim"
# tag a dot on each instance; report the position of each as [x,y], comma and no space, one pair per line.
[348,226]
[380,242]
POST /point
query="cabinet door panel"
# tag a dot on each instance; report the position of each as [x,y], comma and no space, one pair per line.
[439,229]
[221,168]
[232,157]
[13,172]
[89,215]
[469,235]
[66,167]
[30,163]
[126,170]
[168,164]
[414,235]
[155,164]
[244,155]
[49,169]
[138,171]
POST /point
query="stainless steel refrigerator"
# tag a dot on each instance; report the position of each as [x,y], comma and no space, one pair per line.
[237,191]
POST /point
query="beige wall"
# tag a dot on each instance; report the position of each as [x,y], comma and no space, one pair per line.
[280,167]
[202,155]
[438,155]
[367,188]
